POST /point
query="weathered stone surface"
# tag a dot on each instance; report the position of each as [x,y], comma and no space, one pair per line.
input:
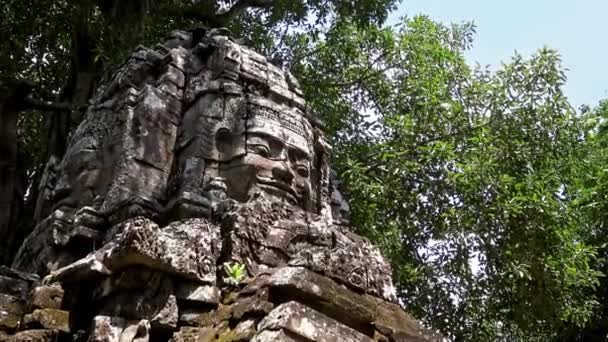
[299,239]
[14,286]
[46,297]
[359,311]
[89,267]
[11,311]
[197,293]
[35,335]
[43,250]
[189,334]
[107,329]
[277,336]
[191,316]
[48,319]
[187,248]
[128,279]
[244,331]
[353,261]
[152,301]
[167,317]
[325,295]
[76,235]
[136,332]
[305,322]
[216,317]
[392,321]
[256,305]
[12,273]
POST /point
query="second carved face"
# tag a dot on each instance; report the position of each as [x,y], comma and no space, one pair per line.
[274,163]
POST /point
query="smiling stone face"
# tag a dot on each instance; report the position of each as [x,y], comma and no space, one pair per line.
[271,166]
[277,159]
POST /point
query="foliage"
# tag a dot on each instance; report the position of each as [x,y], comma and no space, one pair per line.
[592,204]
[235,272]
[466,178]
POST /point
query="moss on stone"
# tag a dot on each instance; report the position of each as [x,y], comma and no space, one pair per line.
[215,317]
[233,335]
[230,297]
[49,319]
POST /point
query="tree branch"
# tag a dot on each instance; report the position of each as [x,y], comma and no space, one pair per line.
[32,103]
[202,13]
[241,6]
[19,93]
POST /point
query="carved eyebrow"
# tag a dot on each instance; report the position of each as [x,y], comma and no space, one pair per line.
[299,153]
[274,140]
[258,140]
[261,135]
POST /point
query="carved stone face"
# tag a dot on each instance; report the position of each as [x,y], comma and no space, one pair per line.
[80,175]
[276,162]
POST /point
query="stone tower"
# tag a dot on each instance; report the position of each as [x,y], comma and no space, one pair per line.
[194,203]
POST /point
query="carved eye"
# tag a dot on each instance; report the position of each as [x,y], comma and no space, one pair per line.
[302,170]
[261,150]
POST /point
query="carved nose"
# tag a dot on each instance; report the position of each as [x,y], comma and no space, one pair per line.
[282,172]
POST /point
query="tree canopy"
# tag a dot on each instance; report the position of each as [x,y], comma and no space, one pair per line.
[466,178]
[485,189]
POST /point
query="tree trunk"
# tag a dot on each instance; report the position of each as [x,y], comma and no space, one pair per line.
[16,216]
[12,187]
[79,87]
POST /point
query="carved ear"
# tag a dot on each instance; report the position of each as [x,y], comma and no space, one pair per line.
[320,178]
[227,143]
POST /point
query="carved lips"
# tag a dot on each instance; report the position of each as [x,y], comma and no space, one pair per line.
[279,188]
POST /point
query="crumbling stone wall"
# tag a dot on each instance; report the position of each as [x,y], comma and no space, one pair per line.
[195,203]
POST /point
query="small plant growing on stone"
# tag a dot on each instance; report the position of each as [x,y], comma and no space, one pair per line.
[235,273]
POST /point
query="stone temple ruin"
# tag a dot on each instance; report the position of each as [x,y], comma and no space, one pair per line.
[195,203]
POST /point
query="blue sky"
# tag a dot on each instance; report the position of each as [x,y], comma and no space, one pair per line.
[578,29]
